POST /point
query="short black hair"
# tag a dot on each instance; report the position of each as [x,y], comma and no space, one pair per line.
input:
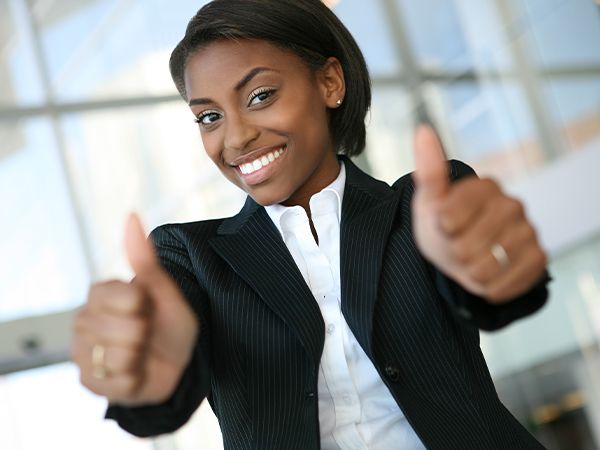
[306,27]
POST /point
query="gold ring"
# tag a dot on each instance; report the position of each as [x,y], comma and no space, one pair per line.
[99,370]
[500,255]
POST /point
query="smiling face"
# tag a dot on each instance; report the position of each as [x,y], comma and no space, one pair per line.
[264,120]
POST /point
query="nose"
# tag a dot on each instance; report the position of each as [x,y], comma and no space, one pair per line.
[239,133]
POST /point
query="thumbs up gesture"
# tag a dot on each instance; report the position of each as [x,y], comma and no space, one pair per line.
[132,341]
[470,230]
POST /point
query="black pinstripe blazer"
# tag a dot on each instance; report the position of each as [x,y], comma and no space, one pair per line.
[262,332]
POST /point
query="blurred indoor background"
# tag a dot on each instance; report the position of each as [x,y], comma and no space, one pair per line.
[91,128]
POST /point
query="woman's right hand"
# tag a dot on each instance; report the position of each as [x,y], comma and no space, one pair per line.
[132,341]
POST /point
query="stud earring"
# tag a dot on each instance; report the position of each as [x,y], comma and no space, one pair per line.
[339,102]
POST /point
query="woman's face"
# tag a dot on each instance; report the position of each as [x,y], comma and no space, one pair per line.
[263,117]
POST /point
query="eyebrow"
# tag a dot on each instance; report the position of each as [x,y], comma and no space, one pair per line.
[239,85]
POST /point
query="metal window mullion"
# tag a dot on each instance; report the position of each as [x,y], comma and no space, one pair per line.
[410,68]
[53,114]
[530,81]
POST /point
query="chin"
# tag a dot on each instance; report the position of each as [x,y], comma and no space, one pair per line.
[268,196]
[267,200]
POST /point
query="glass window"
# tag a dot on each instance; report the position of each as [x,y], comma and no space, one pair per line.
[390,128]
[487,124]
[551,382]
[47,408]
[367,23]
[484,35]
[149,160]
[20,83]
[429,23]
[575,110]
[43,265]
[104,49]
[562,33]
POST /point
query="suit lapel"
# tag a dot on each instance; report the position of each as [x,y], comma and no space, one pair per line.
[253,247]
[368,212]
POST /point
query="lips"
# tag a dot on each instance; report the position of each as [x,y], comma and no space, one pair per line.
[257,168]
[260,162]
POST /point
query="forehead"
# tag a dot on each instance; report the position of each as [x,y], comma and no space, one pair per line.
[219,65]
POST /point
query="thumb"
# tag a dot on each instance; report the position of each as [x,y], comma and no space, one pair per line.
[140,251]
[145,264]
[431,174]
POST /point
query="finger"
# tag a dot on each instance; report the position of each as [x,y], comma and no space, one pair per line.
[117,297]
[495,218]
[123,361]
[485,268]
[431,167]
[520,276]
[145,263]
[108,329]
[140,251]
[117,360]
[120,389]
[465,202]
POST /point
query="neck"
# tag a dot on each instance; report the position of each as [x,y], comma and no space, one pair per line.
[322,178]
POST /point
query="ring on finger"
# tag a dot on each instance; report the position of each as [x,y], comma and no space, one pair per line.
[500,255]
[98,363]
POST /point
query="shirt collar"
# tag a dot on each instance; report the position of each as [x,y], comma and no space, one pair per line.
[336,188]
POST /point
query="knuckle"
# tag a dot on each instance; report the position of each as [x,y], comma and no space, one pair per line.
[135,361]
[84,380]
[89,382]
[540,257]
[493,295]
[102,291]
[121,361]
[80,321]
[477,273]
[460,251]
[133,297]
[489,184]
[128,386]
[447,219]
[75,351]
[138,330]
[529,233]
[515,208]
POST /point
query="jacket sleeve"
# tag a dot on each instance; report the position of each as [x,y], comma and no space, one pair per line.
[489,316]
[151,420]
[476,310]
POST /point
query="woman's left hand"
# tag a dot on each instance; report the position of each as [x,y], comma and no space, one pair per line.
[470,230]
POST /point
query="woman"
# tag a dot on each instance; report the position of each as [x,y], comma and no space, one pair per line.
[314,318]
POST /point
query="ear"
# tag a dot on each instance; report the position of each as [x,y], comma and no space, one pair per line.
[331,82]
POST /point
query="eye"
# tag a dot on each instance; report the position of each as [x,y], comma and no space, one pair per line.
[207,117]
[260,96]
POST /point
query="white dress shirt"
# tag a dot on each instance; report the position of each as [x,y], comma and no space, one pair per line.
[356,409]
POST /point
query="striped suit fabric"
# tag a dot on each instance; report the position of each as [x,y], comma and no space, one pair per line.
[262,334]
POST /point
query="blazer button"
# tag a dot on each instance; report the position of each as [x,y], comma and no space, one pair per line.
[392,372]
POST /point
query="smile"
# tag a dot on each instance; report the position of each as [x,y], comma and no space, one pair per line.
[261,162]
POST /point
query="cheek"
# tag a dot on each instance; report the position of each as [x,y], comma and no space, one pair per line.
[212,147]
[306,121]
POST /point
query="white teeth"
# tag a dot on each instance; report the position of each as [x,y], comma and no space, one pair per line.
[261,162]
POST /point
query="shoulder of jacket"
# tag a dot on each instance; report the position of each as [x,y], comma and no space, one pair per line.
[187,232]
[456,170]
